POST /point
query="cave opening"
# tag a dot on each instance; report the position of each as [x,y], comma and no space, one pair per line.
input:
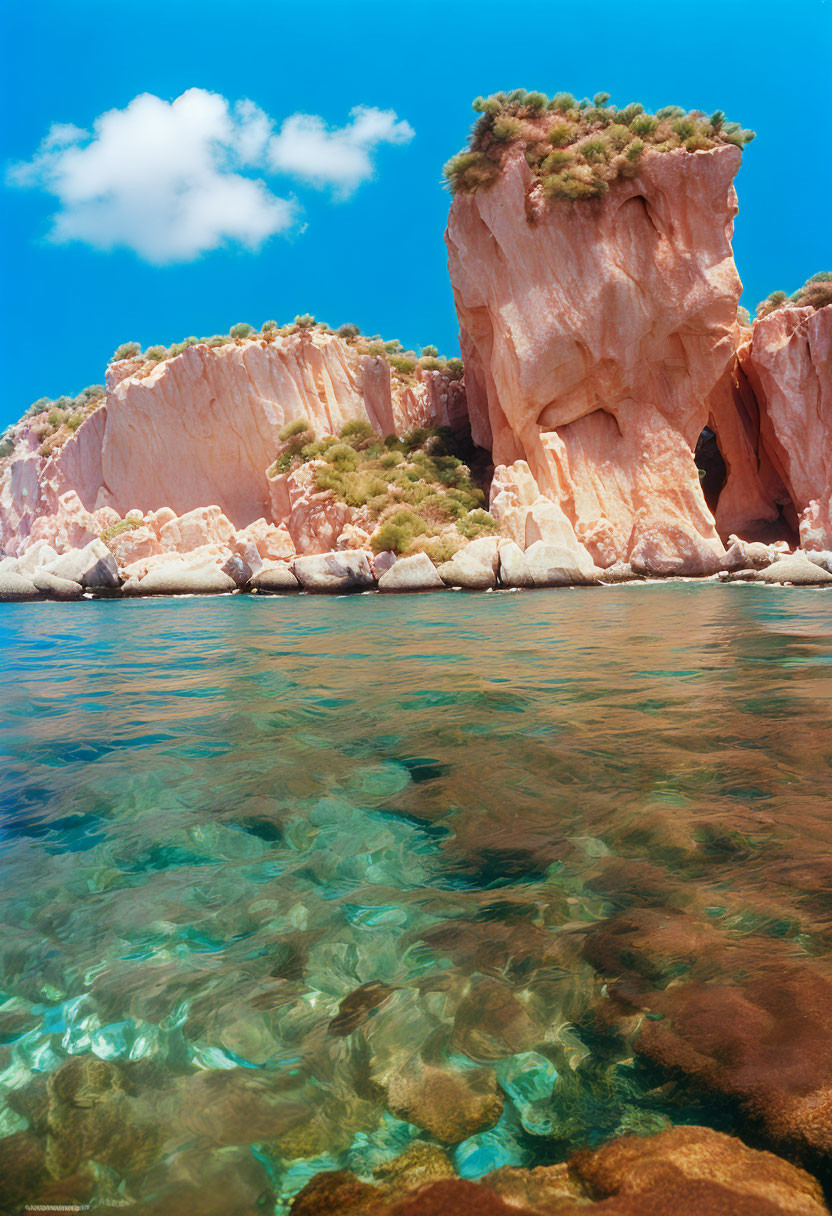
[712,468]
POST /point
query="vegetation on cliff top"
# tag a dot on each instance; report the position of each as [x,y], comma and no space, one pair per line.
[414,494]
[55,420]
[576,148]
[816,292]
[405,364]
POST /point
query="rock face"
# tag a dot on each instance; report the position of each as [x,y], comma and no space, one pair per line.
[788,364]
[202,429]
[592,337]
[685,1170]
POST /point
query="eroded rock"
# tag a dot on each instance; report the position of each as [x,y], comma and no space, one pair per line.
[416,573]
[348,570]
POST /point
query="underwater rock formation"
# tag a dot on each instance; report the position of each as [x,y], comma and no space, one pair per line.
[685,1170]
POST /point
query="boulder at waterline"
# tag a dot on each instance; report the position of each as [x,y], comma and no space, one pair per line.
[179,578]
[468,570]
[14,586]
[797,570]
[415,573]
[553,566]
[514,569]
[55,588]
[92,566]
[347,570]
[275,577]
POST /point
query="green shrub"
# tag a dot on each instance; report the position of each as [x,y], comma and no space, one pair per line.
[403,364]
[468,172]
[217,340]
[593,150]
[507,129]
[628,113]
[343,457]
[634,150]
[717,120]
[643,124]
[93,392]
[6,448]
[348,331]
[305,321]
[127,350]
[298,426]
[429,364]
[75,420]
[398,530]
[438,548]
[684,127]
[241,330]
[563,102]
[775,300]
[268,327]
[357,429]
[156,353]
[561,134]
[619,135]
[454,368]
[478,523]
[431,352]
[119,528]
[670,112]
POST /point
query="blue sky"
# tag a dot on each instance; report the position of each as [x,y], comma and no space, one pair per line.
[369,251]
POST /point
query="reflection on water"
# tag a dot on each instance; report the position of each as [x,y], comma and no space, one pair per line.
[290,883]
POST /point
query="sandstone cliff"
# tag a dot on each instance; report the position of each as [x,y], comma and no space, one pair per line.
[788,364]
[592,336]
[202,428]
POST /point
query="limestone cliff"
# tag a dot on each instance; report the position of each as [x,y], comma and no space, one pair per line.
[593,334]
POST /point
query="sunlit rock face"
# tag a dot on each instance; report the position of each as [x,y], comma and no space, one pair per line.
[788,363]
[593,335]
[202,429]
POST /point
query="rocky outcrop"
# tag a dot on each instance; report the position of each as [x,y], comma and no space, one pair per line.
[788,363]
[593,336]
[201,429]
[416,573]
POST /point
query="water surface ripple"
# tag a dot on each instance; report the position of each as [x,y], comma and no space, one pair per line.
[270,867]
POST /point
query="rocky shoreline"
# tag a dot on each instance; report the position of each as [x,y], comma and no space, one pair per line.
[486,564]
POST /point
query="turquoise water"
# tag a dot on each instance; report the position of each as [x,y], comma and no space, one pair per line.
[261,857]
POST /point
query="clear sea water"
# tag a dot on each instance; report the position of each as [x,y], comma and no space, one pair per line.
[260,855]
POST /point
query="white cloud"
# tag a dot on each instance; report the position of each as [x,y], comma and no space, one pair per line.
[171,180]
[342,156]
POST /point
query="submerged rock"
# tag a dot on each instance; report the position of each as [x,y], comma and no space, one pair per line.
[450,1105]
[687,1171]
